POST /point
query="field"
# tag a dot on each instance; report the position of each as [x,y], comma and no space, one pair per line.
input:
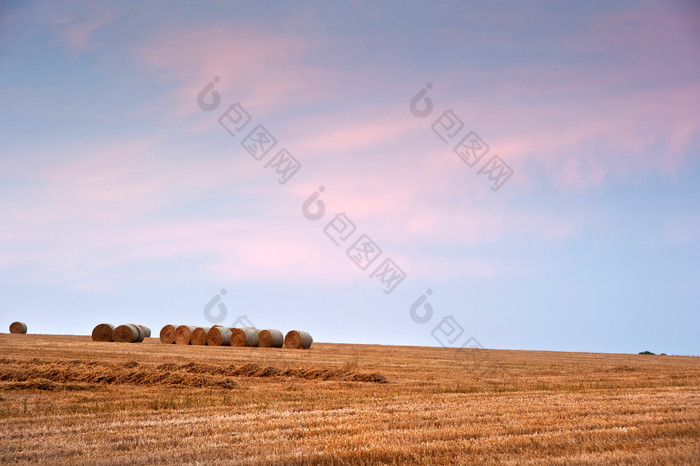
[66,399]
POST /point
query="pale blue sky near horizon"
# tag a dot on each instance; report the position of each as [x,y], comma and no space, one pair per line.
[121,200]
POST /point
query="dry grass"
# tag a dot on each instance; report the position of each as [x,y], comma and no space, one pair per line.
[68,399]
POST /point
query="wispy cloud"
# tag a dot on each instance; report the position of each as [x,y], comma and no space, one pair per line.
[266,71]
[75,28]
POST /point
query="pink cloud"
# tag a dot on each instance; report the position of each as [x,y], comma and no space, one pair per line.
[131,177]
[579,147]
[74,30]
[627,107]
[404,197]
[351,131]
[79,35]
[99,212]
[262,70]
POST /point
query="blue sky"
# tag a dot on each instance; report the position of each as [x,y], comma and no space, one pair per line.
[124,201]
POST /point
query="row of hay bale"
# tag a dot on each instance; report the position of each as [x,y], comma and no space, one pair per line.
[224,336]
[18,327]
[126,333]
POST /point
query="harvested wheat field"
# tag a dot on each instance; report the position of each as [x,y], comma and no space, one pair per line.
[69,399]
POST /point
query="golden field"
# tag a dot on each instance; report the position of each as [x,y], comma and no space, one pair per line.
[66,399]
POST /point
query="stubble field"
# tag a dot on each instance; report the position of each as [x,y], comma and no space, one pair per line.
[66,399]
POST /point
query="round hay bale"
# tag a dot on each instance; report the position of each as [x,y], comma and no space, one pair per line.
[167,334]
[183,334]
[244,336]
[199,336]
[146,331]
[297,339]
[102,332]
[270,338]
[142,333]
[18,327]
[127,333]
[219,336]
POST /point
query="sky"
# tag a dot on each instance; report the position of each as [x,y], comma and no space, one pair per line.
[511,175]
